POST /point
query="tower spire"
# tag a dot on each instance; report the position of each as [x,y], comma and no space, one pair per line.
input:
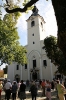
[35,10]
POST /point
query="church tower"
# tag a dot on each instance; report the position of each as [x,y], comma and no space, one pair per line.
[35,30]
[35,33]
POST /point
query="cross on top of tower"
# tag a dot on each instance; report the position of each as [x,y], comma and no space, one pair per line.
[35,11]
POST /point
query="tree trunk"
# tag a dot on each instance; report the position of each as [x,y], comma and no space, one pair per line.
[60,13]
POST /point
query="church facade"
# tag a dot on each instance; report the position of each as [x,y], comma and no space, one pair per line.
[38,66]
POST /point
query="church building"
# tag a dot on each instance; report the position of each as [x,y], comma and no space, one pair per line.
[38,66]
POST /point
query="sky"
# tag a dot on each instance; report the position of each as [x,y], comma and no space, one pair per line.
[46,11]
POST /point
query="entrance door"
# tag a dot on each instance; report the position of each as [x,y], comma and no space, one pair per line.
[34,76]
[17,78]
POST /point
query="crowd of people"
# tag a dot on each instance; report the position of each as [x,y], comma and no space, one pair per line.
[14,89]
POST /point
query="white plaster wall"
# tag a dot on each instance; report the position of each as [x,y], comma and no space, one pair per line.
[35,54]
[34,38]
[41,28]
[54,68]
[11,72]
[17,71]
[48,72]
[41,46]
[25,74]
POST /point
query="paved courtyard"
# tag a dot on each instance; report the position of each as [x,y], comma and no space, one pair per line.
[39,97]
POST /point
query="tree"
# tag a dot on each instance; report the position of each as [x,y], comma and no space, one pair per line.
[26,4]
[60,13]
[10,49]
[55,54]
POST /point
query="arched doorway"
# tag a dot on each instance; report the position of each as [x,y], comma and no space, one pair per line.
[17,77]
[34,75]
[33,65]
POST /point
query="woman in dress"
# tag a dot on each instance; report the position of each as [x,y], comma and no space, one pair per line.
[48,90]
[22,91]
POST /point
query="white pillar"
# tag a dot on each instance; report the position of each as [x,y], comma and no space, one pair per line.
[28,72]
[13,71]
[31,75]
[40,69]
[21,71]
[51,70]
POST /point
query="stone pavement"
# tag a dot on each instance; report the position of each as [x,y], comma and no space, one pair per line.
[39,97]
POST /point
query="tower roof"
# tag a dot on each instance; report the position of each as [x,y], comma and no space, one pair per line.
[35,14]
[32,16]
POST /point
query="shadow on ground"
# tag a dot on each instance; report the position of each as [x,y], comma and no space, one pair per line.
[39,96]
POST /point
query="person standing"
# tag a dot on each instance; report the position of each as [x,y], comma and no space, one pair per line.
[48,90]
[22,91]
[60,89]
[33,90]
[14,90]
[65,87]
[18,91]
[5,81]
[52,85]
[43,87]
[7,88]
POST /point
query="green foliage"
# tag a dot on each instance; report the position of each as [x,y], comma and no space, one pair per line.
[25,2]
[20,54]
[29,8]
[55,54]
[9,45]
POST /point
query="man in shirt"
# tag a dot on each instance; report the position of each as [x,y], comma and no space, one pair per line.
[7,87]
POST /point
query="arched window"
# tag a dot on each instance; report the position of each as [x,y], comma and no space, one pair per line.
[25,66]
[34,63]
[33,34]
[17,67]
[44,63]
[32,23]
[33,42]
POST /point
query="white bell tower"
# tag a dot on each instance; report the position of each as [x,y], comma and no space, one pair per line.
[35,33]
[35,30]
